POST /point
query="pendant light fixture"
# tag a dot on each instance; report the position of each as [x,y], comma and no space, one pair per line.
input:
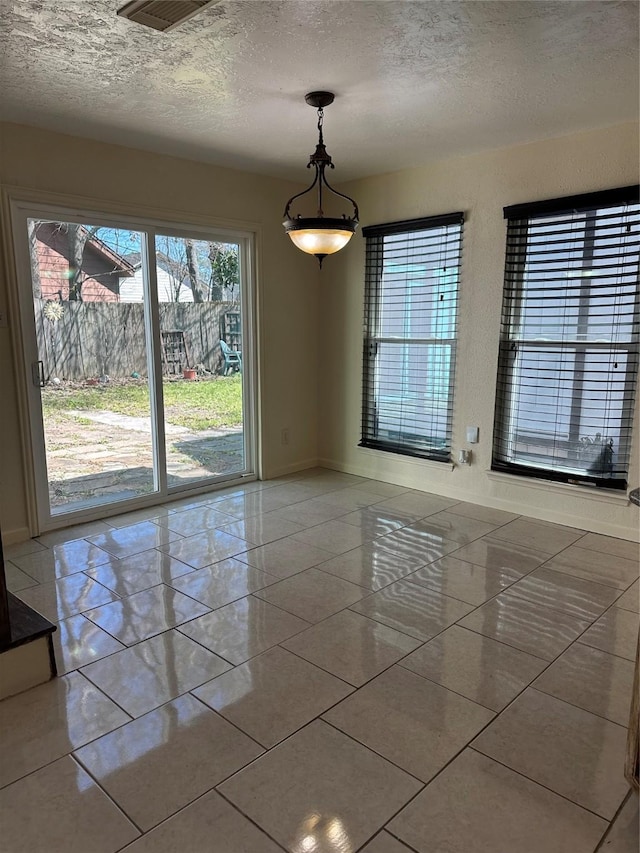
[320,235]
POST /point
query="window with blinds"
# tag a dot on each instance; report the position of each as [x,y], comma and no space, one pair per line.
[411,299]
[568,359]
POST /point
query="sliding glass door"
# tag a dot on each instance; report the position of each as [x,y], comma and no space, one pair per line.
[138,363]
[200,309]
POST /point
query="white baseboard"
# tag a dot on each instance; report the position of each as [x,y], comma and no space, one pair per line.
[301,465]
[568,519]
[12,537]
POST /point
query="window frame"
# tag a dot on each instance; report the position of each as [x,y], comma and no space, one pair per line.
[513,339]
[422,446]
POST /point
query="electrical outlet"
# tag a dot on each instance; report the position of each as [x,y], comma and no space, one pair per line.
[284,435]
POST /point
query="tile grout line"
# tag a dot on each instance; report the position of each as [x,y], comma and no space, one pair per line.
[78,761]
[247,817]
[581,642]
[451,690]
[264,748]
[540,784]
[379,834]
[607,831]
[573,704]
[578,577]
[321,719]
[175,814]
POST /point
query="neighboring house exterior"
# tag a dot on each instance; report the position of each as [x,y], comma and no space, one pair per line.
[170,287]
[174,284]
[103,270]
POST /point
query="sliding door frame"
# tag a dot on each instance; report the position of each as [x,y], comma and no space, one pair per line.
[22,206]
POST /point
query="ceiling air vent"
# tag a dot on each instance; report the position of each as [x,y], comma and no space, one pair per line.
[162,15]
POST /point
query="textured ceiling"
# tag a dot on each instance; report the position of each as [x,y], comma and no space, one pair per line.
[415,81]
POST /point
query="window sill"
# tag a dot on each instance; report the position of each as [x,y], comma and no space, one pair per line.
[405,453]
[587,492]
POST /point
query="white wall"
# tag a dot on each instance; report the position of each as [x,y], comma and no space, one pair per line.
[172,189]
[481,186]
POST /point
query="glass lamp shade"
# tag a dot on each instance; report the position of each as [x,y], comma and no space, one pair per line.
[320,236]
[320,241]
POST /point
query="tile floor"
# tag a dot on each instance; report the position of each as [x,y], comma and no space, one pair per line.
[324,664]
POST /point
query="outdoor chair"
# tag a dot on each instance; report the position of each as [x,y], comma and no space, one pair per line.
[232,358]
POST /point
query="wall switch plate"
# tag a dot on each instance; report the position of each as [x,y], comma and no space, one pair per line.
[472,434]
[464,457]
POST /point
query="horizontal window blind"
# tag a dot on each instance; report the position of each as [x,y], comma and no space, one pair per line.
[410,326]
[568,359]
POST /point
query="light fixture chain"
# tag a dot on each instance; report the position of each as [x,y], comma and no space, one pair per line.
[320,123]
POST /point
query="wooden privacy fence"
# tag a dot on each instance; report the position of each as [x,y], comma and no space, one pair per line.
[82,340]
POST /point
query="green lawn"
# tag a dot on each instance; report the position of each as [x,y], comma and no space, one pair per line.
[205,404]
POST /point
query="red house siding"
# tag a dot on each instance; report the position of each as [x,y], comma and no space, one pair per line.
[100,274]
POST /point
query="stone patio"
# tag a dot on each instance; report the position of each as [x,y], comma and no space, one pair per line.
[109,455]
